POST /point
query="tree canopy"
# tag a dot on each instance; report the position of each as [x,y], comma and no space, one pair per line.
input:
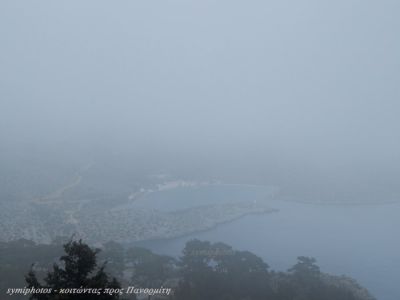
[205,271]
[77,276]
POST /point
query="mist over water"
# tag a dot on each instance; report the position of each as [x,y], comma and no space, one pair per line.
[353,240]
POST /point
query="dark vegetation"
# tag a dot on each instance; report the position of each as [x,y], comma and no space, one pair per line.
[205,271]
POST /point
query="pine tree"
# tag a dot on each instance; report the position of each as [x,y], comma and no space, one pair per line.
[77,270]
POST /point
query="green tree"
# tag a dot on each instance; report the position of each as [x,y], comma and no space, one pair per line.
[149,269]
[114,254]
[305,267]
[77,270]
[216,271]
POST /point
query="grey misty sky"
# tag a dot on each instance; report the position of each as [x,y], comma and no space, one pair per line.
[310,81]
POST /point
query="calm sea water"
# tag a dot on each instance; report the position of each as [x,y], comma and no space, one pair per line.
[359,241]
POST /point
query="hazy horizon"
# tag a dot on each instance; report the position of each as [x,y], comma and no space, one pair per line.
[298,94]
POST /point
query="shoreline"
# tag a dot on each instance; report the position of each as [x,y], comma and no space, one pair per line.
[217,224]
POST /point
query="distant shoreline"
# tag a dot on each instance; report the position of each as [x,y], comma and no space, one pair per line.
[217,224]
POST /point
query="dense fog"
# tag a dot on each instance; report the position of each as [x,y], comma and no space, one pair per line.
[121,114]
[300,94]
